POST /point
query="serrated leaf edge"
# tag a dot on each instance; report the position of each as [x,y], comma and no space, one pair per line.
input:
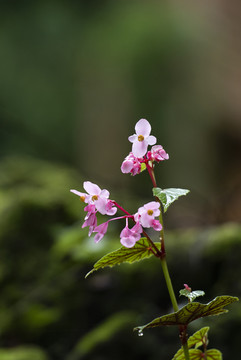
[123,248]
[154,322]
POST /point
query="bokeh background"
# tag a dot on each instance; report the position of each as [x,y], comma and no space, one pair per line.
[75,78]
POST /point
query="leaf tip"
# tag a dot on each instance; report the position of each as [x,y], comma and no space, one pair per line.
[90,272]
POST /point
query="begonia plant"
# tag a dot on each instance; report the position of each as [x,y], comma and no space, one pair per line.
[138,245]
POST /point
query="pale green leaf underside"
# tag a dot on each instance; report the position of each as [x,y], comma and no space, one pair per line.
[191,295]
[191,312]
[140,251]
[168,196]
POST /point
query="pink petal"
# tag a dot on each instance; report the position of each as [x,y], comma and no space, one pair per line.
[91,188]
[151,140]
[125,232]
[139,148]
[90,208]
[156,225]
[100,205]
[105,193]
[146,220]
[101,231]
[111,211]
[141,210]
[126,166]
[137,216]
[156,148]
[152,205]
[128,242]
[98,237]
[76,192]
[143,127]
[133,138]
[137,228]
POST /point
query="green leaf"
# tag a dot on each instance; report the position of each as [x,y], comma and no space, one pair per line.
[191,312]
[140,251]
[191,295]
[194,354]
[168,196]
[214,354]
[197,339]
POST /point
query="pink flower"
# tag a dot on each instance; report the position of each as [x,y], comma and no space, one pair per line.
[130,236]
[98,197]
[146,215]
[142,138]
[100,230]
[110,208]
[131,164]
[157,154]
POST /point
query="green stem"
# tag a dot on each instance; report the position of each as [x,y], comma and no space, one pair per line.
[162,256]
[169,284]
[186,351]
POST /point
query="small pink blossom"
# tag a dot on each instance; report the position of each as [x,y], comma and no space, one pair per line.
[156,225]
[146,215]
[130,236]
[187,288]
[131,164]
[157,153]
[142,138]
[91,221]
[98,197]
[101,230]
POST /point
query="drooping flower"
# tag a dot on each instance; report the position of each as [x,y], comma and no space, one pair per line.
[157,153]
[90,219]
[131,164]
[101,230]
[146,215]
[128,237]
[142,138]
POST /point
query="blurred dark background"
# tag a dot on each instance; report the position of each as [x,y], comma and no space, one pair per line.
[75,77]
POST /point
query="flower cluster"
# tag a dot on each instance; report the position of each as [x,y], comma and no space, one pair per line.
[97,200]
[139,155]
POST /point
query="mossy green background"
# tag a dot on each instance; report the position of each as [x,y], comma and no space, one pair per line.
[75,78]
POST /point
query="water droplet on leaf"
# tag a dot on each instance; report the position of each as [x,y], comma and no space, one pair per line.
[140,333]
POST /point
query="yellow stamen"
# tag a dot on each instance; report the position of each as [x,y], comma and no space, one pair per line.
[82,198]
[140,138]
[94,197]
[150,212]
